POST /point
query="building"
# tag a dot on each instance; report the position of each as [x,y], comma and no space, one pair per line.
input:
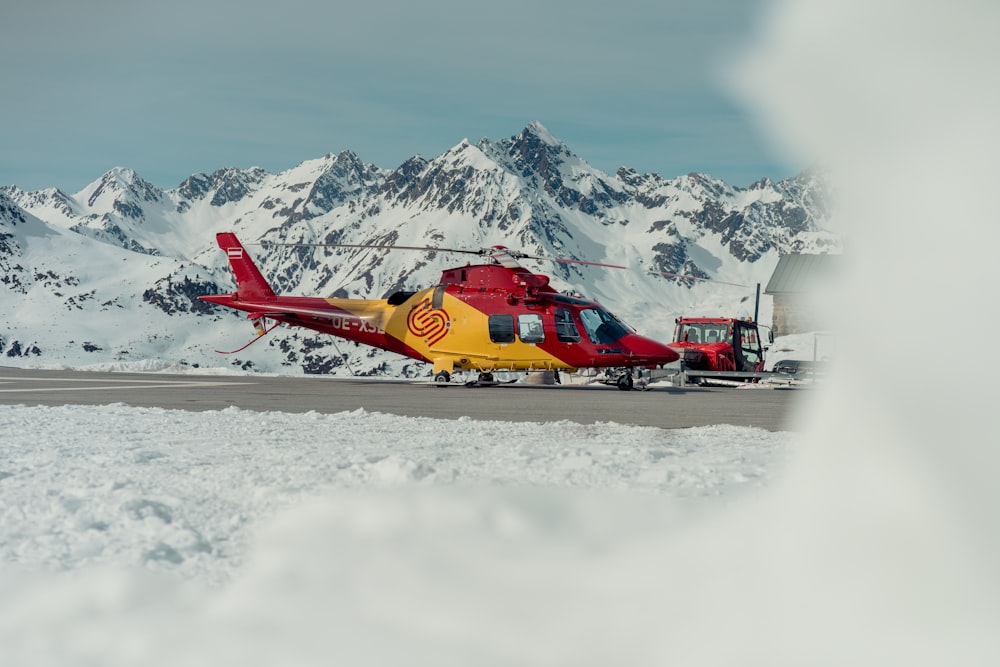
[795,287]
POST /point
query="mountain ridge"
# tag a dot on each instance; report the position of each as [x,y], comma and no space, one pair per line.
[528,191]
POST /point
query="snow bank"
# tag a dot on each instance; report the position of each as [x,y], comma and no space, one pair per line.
[352,538]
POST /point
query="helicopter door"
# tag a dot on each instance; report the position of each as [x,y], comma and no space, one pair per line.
[566,331]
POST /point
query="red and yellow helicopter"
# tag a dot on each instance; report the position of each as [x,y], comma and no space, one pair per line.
[484,317]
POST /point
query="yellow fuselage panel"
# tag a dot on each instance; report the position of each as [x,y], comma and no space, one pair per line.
[467,341]
[455,333]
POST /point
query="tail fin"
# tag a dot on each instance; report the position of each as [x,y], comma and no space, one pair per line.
[250,284]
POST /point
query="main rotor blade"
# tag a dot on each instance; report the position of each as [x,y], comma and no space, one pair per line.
[687,277]
[489,252]
[563,260]
[370,246]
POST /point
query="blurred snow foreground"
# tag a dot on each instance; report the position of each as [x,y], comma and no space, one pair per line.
[352,538]
[876,544]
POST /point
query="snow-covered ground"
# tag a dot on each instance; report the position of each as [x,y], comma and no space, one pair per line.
[156,537]
[184,493]
[264,538]
[346,538]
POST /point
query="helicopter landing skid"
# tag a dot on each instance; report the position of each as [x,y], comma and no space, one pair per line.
[488,380]
[443,379]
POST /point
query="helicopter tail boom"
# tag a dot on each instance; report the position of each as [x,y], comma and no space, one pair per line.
[250,283]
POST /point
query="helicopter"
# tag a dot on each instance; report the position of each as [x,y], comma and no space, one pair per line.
[486,317]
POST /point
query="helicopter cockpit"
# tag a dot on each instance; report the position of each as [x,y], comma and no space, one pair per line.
[602,327]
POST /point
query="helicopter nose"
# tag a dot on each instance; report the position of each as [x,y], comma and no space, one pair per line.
[648,351]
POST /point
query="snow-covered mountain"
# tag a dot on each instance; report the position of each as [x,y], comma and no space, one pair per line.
[110,274]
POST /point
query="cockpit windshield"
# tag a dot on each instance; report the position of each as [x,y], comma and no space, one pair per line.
[602,327]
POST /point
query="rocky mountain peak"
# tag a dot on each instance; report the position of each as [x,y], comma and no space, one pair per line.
[535,131]
[399,182]
[194,187]
[123,187]
[232,184]
[344,177]
[535,150]
[629,177]
[10,213]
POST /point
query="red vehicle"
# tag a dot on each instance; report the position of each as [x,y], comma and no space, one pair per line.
[720,348]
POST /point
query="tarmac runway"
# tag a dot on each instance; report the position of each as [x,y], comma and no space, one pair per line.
[661,406]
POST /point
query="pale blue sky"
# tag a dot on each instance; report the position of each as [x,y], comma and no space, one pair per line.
[171,89]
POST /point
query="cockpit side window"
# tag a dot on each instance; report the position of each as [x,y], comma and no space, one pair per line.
[602,327]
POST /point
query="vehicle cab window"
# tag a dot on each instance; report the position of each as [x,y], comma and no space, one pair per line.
[690,333]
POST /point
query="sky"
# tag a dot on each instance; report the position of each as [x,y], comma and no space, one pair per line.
[173,89]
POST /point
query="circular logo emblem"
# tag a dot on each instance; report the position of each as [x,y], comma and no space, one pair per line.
[429,323]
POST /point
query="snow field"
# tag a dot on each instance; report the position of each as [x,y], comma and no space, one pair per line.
[146,536]
[183,492]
